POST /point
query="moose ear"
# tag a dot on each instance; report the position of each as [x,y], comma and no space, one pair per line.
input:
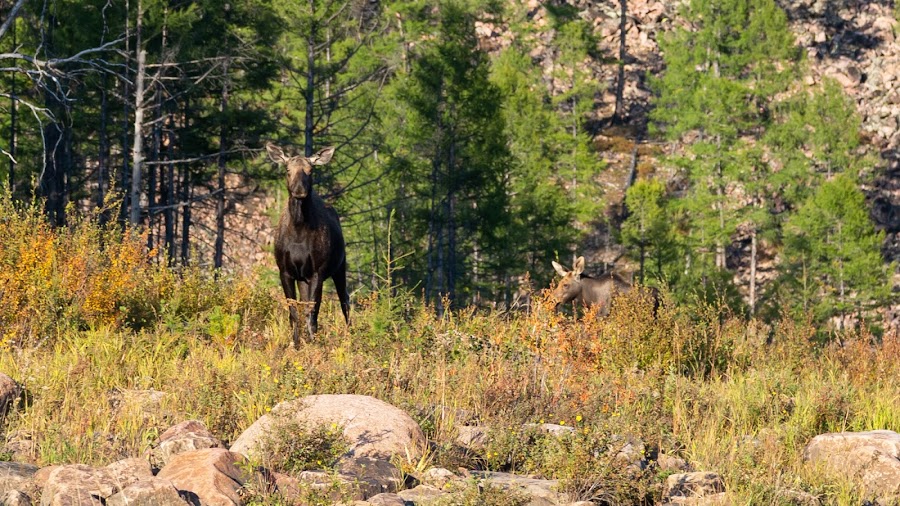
[559,269]
[578,267]
[276,154]
[322,157]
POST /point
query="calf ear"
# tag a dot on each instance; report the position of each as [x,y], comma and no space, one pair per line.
[578,268]
[322,157]
[276,154]
[560,269]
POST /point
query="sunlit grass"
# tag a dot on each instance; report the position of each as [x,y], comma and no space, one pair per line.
[737,397]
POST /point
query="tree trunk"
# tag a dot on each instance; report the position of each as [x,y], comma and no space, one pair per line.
[619,114]
[753,255]
[13,117]
[126,91]
[185,215]
[309,93]
[138,141]
[169,215]
[220,197]
[103,154]
[52,183]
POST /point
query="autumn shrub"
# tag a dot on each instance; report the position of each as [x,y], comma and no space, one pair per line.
[88,276]
[291,447]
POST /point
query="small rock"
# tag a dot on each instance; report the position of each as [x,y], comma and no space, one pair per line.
[437,477]
[386,500]
[472,437]
[540,491]
[183,437]
[671,463]
[698,484]
[422,493]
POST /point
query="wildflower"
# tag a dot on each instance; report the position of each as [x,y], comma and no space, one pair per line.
[578,418]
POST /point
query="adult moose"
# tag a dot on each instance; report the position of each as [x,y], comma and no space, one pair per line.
[593,291]
[309,244]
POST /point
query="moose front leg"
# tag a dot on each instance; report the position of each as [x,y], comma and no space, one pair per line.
[289,286]
[315,296]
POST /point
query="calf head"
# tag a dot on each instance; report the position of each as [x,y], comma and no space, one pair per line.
[299,168]
[569,286]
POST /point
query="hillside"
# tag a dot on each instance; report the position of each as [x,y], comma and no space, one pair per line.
[851,42]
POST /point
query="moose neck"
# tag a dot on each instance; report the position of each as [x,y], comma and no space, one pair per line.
[303,211]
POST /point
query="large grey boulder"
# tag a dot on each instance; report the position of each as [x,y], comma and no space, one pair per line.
[374,430]
[209,477]
[873,457]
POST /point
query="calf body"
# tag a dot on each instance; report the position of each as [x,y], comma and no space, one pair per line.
[309,243]
[579,289]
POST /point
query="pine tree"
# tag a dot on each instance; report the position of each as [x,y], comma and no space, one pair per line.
[647,231]
[723,68]
[834,254]
[450,157]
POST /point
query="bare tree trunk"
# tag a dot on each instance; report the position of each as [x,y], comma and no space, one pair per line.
[169,214]
[753,248]
[138,141]
[13,117]
[126,91]
[619,114]
[185,215]
[103,154]
[309,93]
[220,198]
[52,182]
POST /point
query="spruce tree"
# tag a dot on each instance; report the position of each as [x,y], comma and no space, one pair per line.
[834,253]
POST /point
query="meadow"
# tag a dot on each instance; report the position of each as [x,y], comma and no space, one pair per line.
[87,320]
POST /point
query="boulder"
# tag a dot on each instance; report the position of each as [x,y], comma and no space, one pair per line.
[873,457]
[15,476]
[422,493]
[15,498]
[183,437]
[128,471]
[374,430]
[668,462]
[386,500]
[148,492]
[692,485]
[541,492]
[78,485]
[212,476]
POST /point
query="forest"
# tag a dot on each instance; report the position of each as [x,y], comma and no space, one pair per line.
[472,140]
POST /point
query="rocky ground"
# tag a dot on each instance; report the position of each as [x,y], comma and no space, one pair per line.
[189,465]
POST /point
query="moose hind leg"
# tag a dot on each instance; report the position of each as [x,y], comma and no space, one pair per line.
[340,285]
[289,286]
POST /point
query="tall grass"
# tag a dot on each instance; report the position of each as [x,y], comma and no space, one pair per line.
[91,326]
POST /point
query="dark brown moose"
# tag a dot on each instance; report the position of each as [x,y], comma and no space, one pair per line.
[309,244]
[588,291]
